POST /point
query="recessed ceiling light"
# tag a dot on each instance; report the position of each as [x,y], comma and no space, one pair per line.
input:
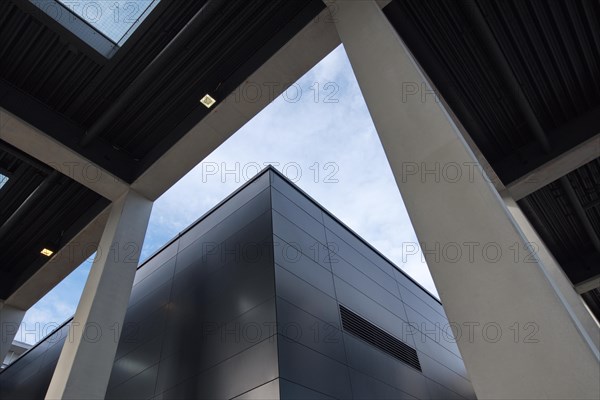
[208,101]
[47,252]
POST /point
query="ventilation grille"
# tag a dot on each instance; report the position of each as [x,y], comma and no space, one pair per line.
[370,333]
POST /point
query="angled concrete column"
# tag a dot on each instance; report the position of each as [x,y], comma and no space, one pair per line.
[517,338]
[86,359]
[572,301]
[10,320]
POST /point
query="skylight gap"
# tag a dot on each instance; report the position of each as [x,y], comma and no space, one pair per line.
[115,19]
[104,25]
[3,180]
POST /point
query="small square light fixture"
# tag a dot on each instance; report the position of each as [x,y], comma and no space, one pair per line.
[46,252]
[208,101]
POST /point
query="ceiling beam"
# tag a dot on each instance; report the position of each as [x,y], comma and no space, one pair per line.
[587,285]
[50,151]
[52,123]
[505,71]
[555,168]
[580,212]
[154,68]
[276,75]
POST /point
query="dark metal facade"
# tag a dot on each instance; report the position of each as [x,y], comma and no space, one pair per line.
[245,304]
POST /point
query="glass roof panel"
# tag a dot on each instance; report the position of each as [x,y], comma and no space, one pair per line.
[115,19]
[3,180]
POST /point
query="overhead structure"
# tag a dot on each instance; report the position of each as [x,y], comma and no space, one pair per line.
[523,79]
[89,114]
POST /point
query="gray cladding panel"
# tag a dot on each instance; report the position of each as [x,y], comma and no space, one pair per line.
[306,297]
[357,245]
[299,239]
[363,283]
[232,309]
[343,251]
[267,391]
[305,268]
[306,367]
[366,387]
[377,364]
[232,377]
[241,206]
[298,216]
[293,391]
[372,311]
[296,197]
[297,325]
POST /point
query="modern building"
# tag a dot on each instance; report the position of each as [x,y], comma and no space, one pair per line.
[488,113]
[269,296]
[17,349]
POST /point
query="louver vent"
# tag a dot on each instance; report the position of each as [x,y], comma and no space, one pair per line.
[370,333]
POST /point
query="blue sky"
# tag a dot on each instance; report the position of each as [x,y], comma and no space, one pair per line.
[321,124]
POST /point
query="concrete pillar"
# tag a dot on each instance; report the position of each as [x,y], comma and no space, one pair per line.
[516,336]
[10,321]
[86,360]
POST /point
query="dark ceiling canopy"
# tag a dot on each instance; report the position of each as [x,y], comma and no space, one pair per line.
[523,78]
[122,112]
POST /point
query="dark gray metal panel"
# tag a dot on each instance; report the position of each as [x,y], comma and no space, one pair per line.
[28,361]
[406,284]
[432,344]
[152,282]
[446,377]
[437,391]
[235,289]
[140,386]
[373,312]
[232,377]
[243,206]
[343,250]
[419,304]
[202,344]
[357,244]
[370,361]
[368,287]
[251,244]
[295,324]
[307,297]
[149,303]
[296,197]
[51,355]
[135,333]
[437,333]
[157,261]
[293,391]
[135,362]
[298,216]
[210,250]
[304,366]
[366,387]
[303,267]
[310,246]
[30,376]
[267,391]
